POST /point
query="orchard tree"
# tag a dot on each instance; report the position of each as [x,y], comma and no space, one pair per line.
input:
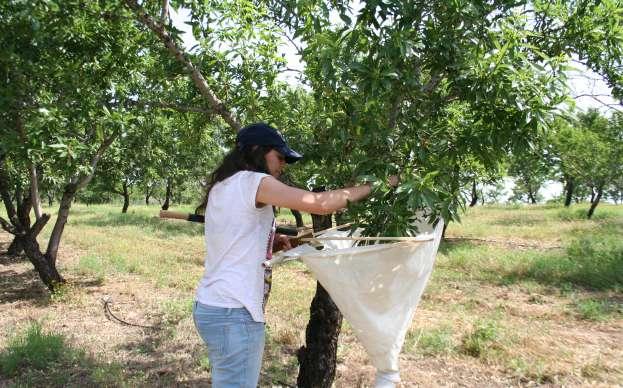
[531,169]
[590,155]
[65,68]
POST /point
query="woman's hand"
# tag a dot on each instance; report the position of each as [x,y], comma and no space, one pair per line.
[281,243]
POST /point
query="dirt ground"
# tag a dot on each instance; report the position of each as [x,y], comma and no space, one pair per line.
[169,356]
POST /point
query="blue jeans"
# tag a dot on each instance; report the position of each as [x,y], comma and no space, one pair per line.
[235,344]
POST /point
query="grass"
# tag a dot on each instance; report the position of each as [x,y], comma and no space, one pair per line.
[598,310]
[521,313]
[39,358]
[430,342]
[481,340]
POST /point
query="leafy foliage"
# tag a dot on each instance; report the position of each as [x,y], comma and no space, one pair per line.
[425,89]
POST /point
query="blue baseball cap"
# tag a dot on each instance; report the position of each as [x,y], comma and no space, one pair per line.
[265,135]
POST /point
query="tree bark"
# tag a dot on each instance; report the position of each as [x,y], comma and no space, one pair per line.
[167,200]
[595,202]
[298,217]
[26,236]
[569,186]
[318,358]
[15,248]
[474,200]
[148,192]
[531,196]
[61,220]
[126,198]
[50,198]
[44,264]
[34,191]
[32,169]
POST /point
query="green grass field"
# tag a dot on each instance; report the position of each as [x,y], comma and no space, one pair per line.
[520,295]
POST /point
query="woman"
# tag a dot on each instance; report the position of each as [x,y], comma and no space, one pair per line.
[240,236]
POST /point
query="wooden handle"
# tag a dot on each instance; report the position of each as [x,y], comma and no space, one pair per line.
[174,215]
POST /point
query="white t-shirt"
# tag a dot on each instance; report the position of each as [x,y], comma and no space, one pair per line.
[238,238]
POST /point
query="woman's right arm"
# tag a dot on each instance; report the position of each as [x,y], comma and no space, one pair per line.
[273,192]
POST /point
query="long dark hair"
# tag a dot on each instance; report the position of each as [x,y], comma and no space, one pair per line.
[249,158]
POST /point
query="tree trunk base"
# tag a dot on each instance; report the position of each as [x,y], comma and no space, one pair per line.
[318,358]
[43,265]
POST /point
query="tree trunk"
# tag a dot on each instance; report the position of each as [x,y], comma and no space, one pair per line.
[50,199]
[167,200]
[474,200]
[531,197]
[595,202]
[298,217]
[45,265]
[148,193]
[318,358]
[569,186]
[592,194]
[15,248]
[34,191]
[61,220]
[126,198]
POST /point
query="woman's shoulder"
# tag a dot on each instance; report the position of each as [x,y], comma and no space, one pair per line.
[247,174]
[244,178]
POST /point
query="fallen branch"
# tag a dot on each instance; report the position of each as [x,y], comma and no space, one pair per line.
[112,317]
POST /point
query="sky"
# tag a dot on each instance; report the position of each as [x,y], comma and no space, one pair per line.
[583,83]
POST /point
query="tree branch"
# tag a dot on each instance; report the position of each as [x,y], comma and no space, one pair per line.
[166,105]
[592,95]
[39,225]
[181,56]
[615,107]
[8,227]
[164,13]
[34,182]
[81,183]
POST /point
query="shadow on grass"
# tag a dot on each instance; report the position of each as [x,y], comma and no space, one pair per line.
[25,286]
[147,359]
[447,247]
[36,358]
[5,258]
[145,223]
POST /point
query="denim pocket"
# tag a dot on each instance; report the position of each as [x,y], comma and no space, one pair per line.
[213,332]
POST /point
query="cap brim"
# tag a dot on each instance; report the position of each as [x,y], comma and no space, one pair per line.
[291,156]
